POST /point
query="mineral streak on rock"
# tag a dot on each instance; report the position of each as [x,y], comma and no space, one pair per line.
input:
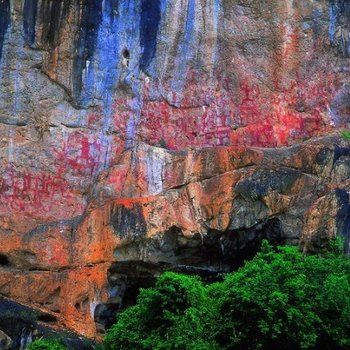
[30,9]
[139,136]
[90,17]
[149,26]
[52,13]
[4,21]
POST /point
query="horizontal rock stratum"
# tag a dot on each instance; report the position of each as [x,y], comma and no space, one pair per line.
[138,136]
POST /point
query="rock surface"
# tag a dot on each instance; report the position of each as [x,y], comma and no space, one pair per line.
[138,136]
[23,325]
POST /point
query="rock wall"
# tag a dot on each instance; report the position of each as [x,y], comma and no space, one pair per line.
[141,135]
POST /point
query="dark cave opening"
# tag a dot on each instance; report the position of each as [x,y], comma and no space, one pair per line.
[242,245]
[4,261]
[210,257]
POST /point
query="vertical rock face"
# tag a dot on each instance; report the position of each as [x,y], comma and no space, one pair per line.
[138,136]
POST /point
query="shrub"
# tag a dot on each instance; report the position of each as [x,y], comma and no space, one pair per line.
[284,300]
[46,344]
[345,134]
[172,315]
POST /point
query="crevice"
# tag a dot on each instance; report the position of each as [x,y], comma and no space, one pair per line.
[178,187]
[4,261]
[70,126]
[166,100]
[126,57]
[14,123]
[45,270]
[47,318]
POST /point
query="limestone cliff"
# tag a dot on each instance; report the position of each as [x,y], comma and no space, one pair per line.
[141,135]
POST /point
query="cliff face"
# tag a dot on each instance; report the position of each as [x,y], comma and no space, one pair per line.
[151,134]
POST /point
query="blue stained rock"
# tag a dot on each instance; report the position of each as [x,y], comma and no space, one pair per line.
[149,25]
[339,26]
[187,48]
[30,9]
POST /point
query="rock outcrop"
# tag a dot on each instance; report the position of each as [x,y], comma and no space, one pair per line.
[21,325]
[139,136]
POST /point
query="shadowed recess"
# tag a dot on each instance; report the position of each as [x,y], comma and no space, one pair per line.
[4,261]
[4,21]
[149,24]
[85,45]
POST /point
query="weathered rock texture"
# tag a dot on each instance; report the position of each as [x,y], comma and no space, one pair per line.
[20,325]
[141,135]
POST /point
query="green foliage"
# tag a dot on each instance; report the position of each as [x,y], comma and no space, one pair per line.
[46,344]
[345,134]
[279,300]
[172,315]
[284,300]
[336,245]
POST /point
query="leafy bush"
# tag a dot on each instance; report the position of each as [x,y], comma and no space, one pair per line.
[172,315]
[345,134]
[284,300]
[46,344]
[279,300]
